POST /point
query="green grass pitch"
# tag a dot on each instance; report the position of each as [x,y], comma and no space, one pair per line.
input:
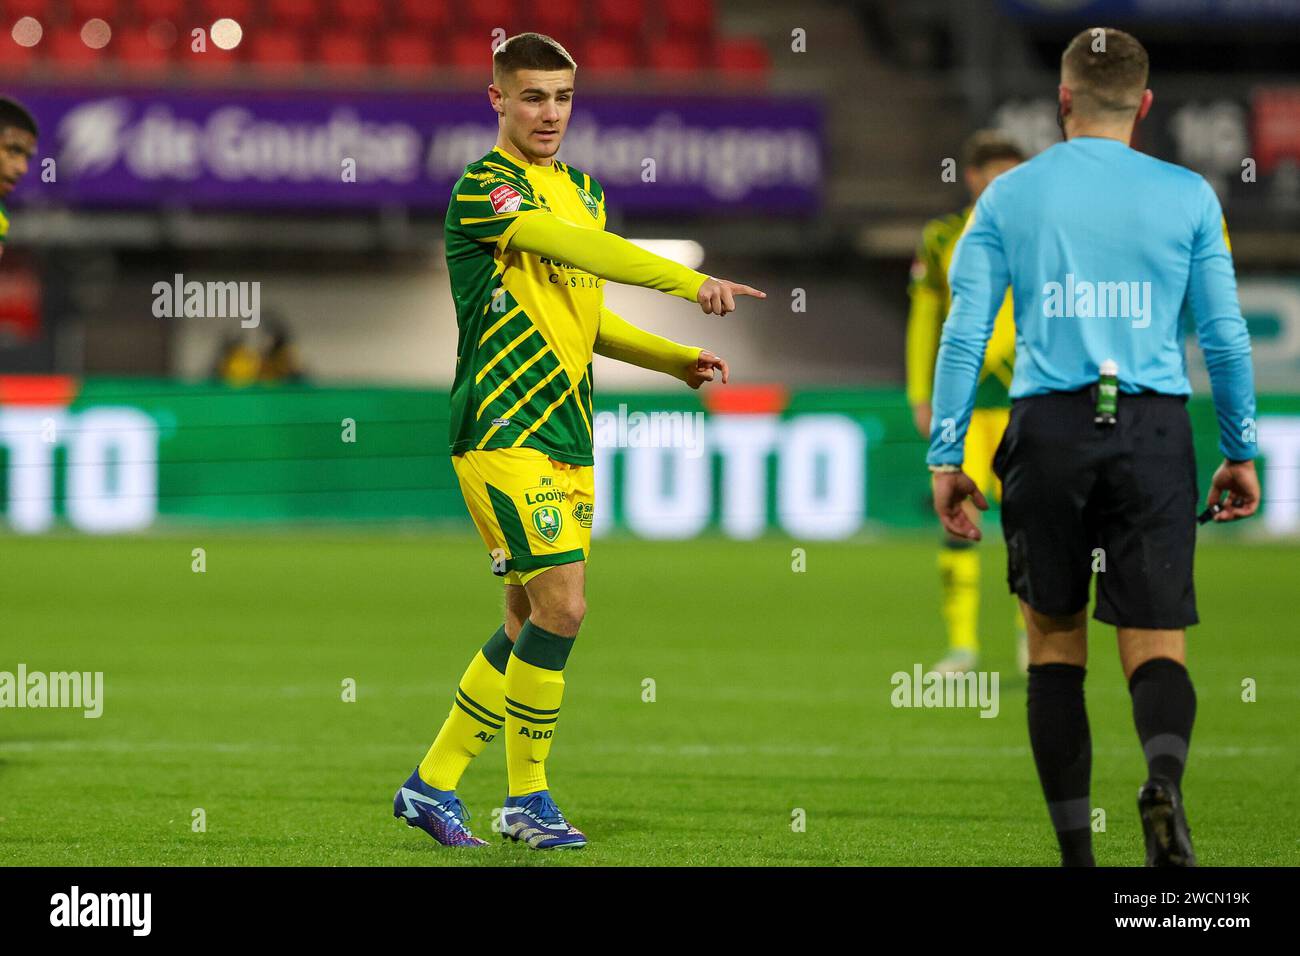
[223,692]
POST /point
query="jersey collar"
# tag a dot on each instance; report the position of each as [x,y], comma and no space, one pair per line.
[524,167]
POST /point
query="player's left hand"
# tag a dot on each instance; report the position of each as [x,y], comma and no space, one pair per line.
[702,370]
[950,490]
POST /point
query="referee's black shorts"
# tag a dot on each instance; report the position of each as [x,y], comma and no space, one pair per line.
[1071,487]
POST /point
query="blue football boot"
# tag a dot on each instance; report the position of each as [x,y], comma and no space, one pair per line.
[438,813]
[536,820]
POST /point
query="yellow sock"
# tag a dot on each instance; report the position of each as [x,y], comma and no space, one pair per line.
[534,689]
[959,570]
[477,714]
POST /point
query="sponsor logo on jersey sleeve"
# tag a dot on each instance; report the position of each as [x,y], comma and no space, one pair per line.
[505,199]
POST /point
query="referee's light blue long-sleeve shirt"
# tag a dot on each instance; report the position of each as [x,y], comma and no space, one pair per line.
[1103,247]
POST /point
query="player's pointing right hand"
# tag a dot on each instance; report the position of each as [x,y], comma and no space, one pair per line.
[718,296]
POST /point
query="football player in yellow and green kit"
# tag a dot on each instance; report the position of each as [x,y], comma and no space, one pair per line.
[985,155]
[18,134]
[528,258]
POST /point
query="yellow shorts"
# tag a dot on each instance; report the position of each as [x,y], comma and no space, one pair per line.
[532,511]
[982,440]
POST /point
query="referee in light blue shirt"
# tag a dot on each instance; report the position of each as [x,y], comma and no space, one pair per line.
[1103,248]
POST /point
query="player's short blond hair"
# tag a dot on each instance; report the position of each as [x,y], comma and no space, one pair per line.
[529,51]
[1106,70]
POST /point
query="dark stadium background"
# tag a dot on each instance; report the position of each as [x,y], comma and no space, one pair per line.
[797,148]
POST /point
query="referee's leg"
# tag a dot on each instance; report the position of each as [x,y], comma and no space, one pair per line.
[1058,726]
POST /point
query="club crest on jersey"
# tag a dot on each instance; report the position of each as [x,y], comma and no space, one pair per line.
[589,202]
[505,199]
[547,520]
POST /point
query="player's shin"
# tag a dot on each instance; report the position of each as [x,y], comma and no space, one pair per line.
[476,717]
[534,688]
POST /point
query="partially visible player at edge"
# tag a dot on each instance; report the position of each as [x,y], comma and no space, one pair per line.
[527,255]
[18,132]
[985,155]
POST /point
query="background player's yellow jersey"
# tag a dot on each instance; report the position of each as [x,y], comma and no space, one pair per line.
[931,298]
[527,324]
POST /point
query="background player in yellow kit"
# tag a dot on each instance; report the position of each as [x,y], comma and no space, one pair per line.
[985,155]
[528,256]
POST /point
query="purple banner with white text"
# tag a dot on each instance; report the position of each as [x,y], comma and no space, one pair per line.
[251,150]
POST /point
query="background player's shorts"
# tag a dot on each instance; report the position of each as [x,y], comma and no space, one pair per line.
[1070,487]
[982,438]
[532,511]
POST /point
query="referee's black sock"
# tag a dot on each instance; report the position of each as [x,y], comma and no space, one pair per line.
[1164,708]
[1062,744]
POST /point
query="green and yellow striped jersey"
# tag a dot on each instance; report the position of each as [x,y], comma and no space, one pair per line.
[931,298]
[527,324]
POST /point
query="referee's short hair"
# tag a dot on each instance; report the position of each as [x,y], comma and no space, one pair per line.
[14,114]
[1106,70]
[529,51]
[988,146]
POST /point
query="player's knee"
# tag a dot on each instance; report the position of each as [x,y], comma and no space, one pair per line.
[570,612]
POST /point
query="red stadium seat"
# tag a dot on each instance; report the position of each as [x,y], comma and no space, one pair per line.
[276,51]
[47,11]
[694,18]
[213,62]
[345,51]
[137,52]
[472,52]
[607,54]
[66,48]
[173,10]
[17,59]
[295,13]
[423,14]
[83,10]
[241,11]
[370,15]
[743,57]
[488,15]
[679,56]
[561,19]
[408,53]
[623,17]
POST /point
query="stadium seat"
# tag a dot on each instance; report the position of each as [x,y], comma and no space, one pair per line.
[621,17]
[213,62]
[679,57]
[110,10]
[690,19]
[276,51]
[344,51]
[173,10]
[241,11]
[561,19]
[488,15]
[408,53]
[69,51]
[607,54]
[136,52]
[295,13]
[742,57]
[368,15]
[423,14]
[17,59]
[471,52]
[47,11]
